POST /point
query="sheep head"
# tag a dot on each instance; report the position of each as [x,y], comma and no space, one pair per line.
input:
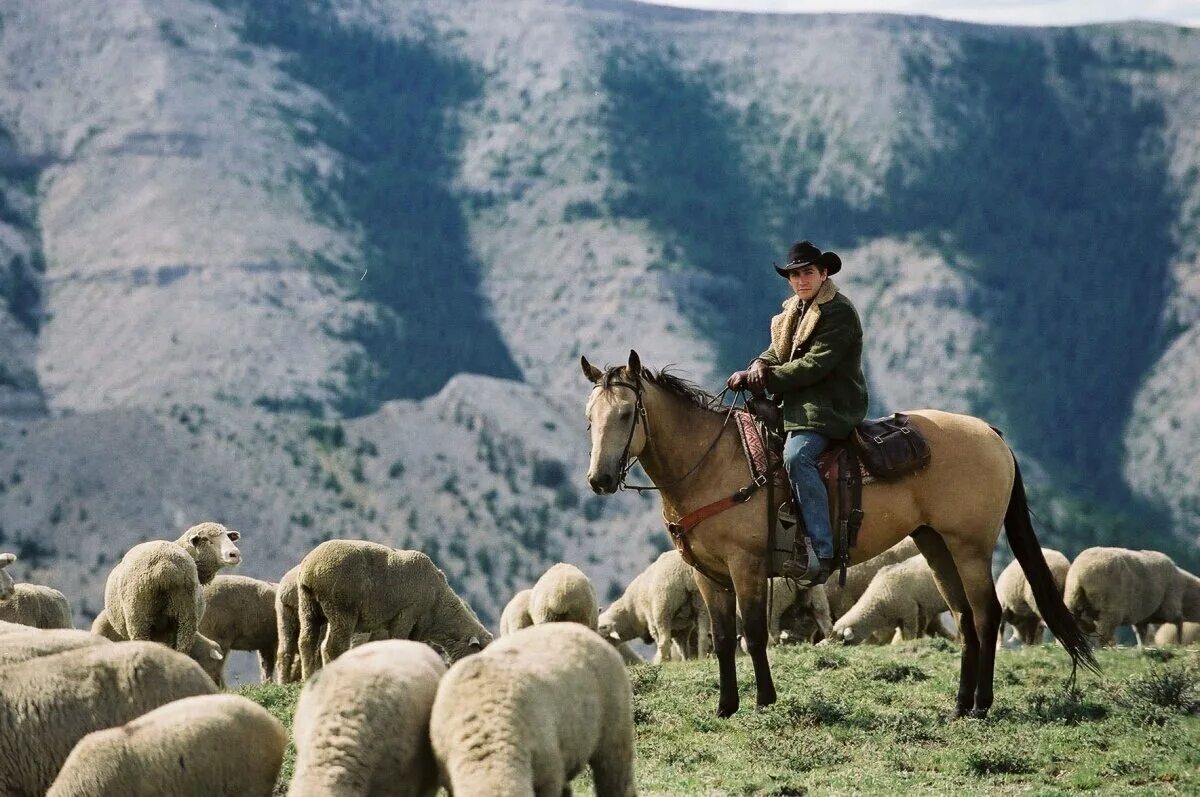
[6,582]
[212,546]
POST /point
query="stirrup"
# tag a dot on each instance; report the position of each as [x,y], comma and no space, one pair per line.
[804,568]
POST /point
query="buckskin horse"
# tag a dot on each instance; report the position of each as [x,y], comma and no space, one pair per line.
[953,509]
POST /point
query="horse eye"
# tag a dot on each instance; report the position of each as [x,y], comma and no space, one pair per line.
[625,414]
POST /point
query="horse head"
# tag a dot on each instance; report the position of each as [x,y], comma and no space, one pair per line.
[616,421]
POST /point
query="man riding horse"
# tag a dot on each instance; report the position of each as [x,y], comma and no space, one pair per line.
[814,364]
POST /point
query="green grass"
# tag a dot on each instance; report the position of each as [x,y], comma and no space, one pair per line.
[874,720]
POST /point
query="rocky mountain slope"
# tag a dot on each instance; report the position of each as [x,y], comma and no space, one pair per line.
[326,269]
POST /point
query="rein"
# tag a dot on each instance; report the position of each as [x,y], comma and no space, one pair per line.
[627,462]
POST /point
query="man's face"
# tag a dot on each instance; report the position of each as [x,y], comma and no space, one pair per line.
[806,281]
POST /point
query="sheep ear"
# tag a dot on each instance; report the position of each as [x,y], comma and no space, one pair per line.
[234,536]
[7,559]
[590,371]
[475,643]
[196,539]
[614,636]
[216,654]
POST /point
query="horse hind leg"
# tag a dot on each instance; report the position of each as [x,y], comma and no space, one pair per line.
[945,574]
[974,564]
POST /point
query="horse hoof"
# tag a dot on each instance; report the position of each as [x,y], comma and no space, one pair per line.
[725,712]
[766,700]
[977,714]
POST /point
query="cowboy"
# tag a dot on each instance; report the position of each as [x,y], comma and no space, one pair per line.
[814,365]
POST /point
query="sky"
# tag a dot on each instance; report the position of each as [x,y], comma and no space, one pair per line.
[1004,12]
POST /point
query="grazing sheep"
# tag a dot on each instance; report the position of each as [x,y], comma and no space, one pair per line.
[1111,587]
[34,643]
[1017,605]
[858,577]
[287,627]
[203,746]
[31,604]
[563,595]
[1168,634]
[902,595]
[362,724]
[239,614]
[516,614]
[662,605]
[527,714]
[798,614]
[212,546]
[203,650]
[49,703]
[352,586]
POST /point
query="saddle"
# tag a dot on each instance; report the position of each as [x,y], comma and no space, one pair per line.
[882,448]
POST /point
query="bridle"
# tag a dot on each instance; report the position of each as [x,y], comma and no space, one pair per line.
[626,462]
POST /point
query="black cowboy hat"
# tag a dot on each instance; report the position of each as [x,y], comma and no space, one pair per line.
[803,253]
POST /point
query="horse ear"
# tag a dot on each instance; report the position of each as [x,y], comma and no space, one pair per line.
[635,363]
[592,373]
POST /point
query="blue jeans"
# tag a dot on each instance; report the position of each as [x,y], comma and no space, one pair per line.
[800,454]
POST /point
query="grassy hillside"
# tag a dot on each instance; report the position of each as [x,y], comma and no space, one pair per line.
[873,720]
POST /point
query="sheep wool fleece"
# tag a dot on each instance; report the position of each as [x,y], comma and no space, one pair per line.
[362,724]
[205,746]
[531,711]
[50,703]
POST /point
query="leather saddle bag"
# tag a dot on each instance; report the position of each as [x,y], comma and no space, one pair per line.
[891,447]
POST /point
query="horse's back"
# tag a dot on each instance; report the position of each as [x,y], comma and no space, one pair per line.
[965,488]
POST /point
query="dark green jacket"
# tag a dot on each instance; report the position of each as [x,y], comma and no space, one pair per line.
[822,387]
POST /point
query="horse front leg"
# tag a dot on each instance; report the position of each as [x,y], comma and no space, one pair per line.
[750,585]
[722,611]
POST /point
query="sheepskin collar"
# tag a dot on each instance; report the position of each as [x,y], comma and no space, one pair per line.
[789,330]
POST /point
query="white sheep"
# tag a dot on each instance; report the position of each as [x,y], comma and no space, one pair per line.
[661,605]
[1111,587]
[362,723]
[859,577]
[902,595]
[354,586]
[798,614]
[31,604]
[34,643]
[1017,604]
[154,594]
[239,614]
[49,703]
[204,746]
[203,650]
[287,627]
[1168,634]
[564,594]
[531,711]
[516,613]
[154,591]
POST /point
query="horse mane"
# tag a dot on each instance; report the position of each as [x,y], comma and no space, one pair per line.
[671,382]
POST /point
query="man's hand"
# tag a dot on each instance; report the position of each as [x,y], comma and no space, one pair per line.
[756,377]
[738,380]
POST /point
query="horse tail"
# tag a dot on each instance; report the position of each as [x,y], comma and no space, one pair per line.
[1050,604]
